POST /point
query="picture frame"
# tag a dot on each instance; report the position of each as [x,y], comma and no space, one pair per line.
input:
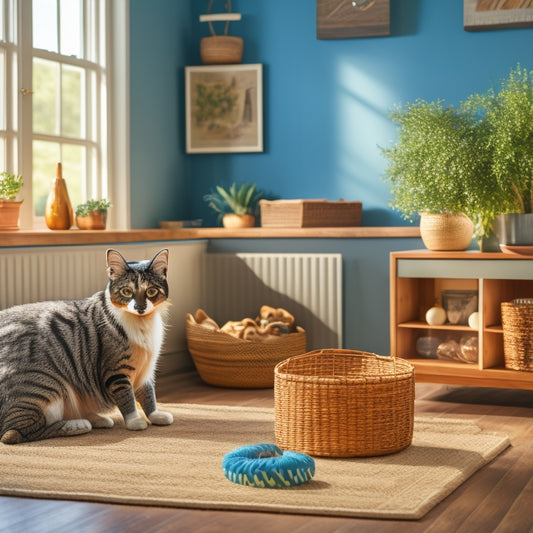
[480,15]
[224,108]
[341,19]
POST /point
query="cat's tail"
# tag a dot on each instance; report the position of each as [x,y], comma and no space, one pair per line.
[62,428]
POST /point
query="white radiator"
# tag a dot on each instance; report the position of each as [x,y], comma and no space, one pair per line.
[71,272]
[309,286]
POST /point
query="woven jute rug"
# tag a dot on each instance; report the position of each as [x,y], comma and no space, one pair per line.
[180,466]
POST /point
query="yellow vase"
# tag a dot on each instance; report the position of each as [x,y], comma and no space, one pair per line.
[58,212]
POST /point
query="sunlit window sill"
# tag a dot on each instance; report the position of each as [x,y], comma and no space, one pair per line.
[70,237]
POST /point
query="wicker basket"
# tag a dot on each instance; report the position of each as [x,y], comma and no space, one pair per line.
[344,403]
[309,213]
[443,231]
[226,361]
[517,322]
[221,50]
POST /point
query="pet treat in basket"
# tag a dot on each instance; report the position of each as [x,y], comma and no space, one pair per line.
[241,354]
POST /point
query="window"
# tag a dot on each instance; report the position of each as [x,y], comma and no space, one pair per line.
[60,100]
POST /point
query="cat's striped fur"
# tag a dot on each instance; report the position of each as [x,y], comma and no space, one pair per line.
[65,364]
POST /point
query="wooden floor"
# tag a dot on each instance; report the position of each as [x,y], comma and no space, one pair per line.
[499,498]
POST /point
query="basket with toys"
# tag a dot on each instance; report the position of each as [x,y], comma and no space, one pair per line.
[243,354]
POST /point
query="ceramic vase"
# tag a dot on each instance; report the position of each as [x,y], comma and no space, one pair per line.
[58,211]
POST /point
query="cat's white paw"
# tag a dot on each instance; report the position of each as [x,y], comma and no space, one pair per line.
[100,421]
[75,427]
[134,422]
[161,418]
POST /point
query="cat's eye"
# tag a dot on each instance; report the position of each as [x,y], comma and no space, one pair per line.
[126,292]
[151,292]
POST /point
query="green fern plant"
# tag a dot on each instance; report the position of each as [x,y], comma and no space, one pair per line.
[507,116]
[434,163]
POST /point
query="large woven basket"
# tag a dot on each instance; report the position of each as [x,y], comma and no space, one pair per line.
[517,322]
[344,403]
[226,361]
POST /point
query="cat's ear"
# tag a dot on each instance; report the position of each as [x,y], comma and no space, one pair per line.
[159,263]
[116,264]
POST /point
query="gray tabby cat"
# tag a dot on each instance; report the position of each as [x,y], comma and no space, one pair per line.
[64,364]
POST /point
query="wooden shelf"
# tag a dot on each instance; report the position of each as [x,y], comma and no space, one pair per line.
[418,279]
[48,237]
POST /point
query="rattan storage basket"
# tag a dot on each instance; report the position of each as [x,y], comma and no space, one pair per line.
[517,322]
[344,403]
[226,361]
[309,213]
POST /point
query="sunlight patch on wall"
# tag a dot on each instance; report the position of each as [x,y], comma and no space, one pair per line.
[363,103]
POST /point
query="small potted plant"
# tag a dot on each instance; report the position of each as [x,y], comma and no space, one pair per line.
[236,206]
[433,172]
[506,116]
[92,214]
[10,185]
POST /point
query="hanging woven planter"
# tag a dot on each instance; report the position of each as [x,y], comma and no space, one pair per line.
[220,49]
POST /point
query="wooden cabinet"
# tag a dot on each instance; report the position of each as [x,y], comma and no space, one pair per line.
[418,279]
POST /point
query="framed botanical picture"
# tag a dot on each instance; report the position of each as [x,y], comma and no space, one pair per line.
[224,108]
[497,14]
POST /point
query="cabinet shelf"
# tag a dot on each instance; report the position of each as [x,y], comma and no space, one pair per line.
[417,324]
[417,280]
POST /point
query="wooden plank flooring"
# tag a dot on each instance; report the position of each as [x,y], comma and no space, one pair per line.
[499,498]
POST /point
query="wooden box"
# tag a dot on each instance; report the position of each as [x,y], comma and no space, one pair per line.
[309,213]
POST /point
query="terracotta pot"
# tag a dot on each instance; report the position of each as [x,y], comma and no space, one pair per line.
[96,220]
[58,211]
[231,220]
[10,215]
[445,232]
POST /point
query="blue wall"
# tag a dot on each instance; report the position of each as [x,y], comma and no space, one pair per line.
[325,114]
[159,44]
[326,101]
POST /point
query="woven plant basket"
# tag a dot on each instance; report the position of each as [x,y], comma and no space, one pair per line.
[226,361]
[445,232]
[221,50]
[344,403]
[517,322]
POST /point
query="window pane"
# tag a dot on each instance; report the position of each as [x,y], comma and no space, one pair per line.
[71,28]
[73,160]
[72,101]
[3,79]
[45,157]
[45,25]
[45,90]
[2,24]
[2,155]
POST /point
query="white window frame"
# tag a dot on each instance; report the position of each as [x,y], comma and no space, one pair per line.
[115,124]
